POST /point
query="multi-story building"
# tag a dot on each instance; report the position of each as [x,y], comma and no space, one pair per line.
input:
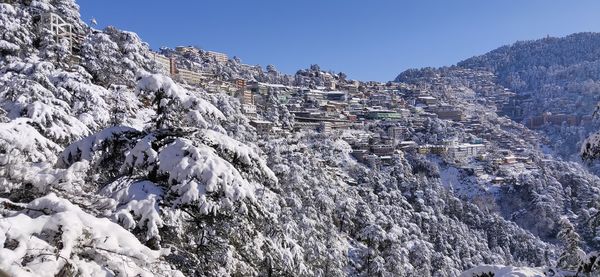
[245,97]
[262,126]
[187,50]
[163,62]
[427,100]
[382,149]
[219,57]
[240,84]
[190,77]
[465,150]
[382,115]
[449,113]
[249,110]
[169,65]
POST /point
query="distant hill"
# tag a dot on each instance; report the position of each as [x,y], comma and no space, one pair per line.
[552,76]
[572,49]
[536,64]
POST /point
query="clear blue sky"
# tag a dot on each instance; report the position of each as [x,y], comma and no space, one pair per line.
[368,40]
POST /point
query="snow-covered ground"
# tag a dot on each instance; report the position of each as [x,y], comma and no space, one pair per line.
[110,168]
[504,271]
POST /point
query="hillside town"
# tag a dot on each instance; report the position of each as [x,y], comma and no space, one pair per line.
[380,120]
[118,159]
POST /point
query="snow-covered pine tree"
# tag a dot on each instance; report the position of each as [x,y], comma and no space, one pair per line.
[572,254]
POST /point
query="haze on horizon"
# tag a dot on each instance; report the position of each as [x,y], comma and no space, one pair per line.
[373,41]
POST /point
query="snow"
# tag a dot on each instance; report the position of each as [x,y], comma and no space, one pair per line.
[449,177]
[198,171]
[42,107]
[53,233]
[137,199]
[504,271]
[7,46]
[85,148]
[262,121]
[201,106]
[41,175]
[141,154]
[203,185]
[149,84]
[242,153]
[41,4]
[277,85]
[19,135]
[7,9]
[156,82]
[589,148]
[89,100]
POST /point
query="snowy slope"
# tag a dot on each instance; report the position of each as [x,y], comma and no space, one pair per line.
[110,169]
[504,271]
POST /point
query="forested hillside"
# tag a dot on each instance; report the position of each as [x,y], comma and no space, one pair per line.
[109,167]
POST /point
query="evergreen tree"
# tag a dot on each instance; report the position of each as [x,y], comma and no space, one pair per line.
[572,254]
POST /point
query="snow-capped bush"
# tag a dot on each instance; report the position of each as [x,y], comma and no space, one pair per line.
[50,236]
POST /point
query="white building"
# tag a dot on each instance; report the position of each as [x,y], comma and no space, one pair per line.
[464,150]
[162,61]
[190,77]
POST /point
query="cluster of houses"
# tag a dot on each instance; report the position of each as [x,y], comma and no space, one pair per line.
[570,107]
[371,149]
[533,109]
[535,122]
[350,105]
[208,81]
